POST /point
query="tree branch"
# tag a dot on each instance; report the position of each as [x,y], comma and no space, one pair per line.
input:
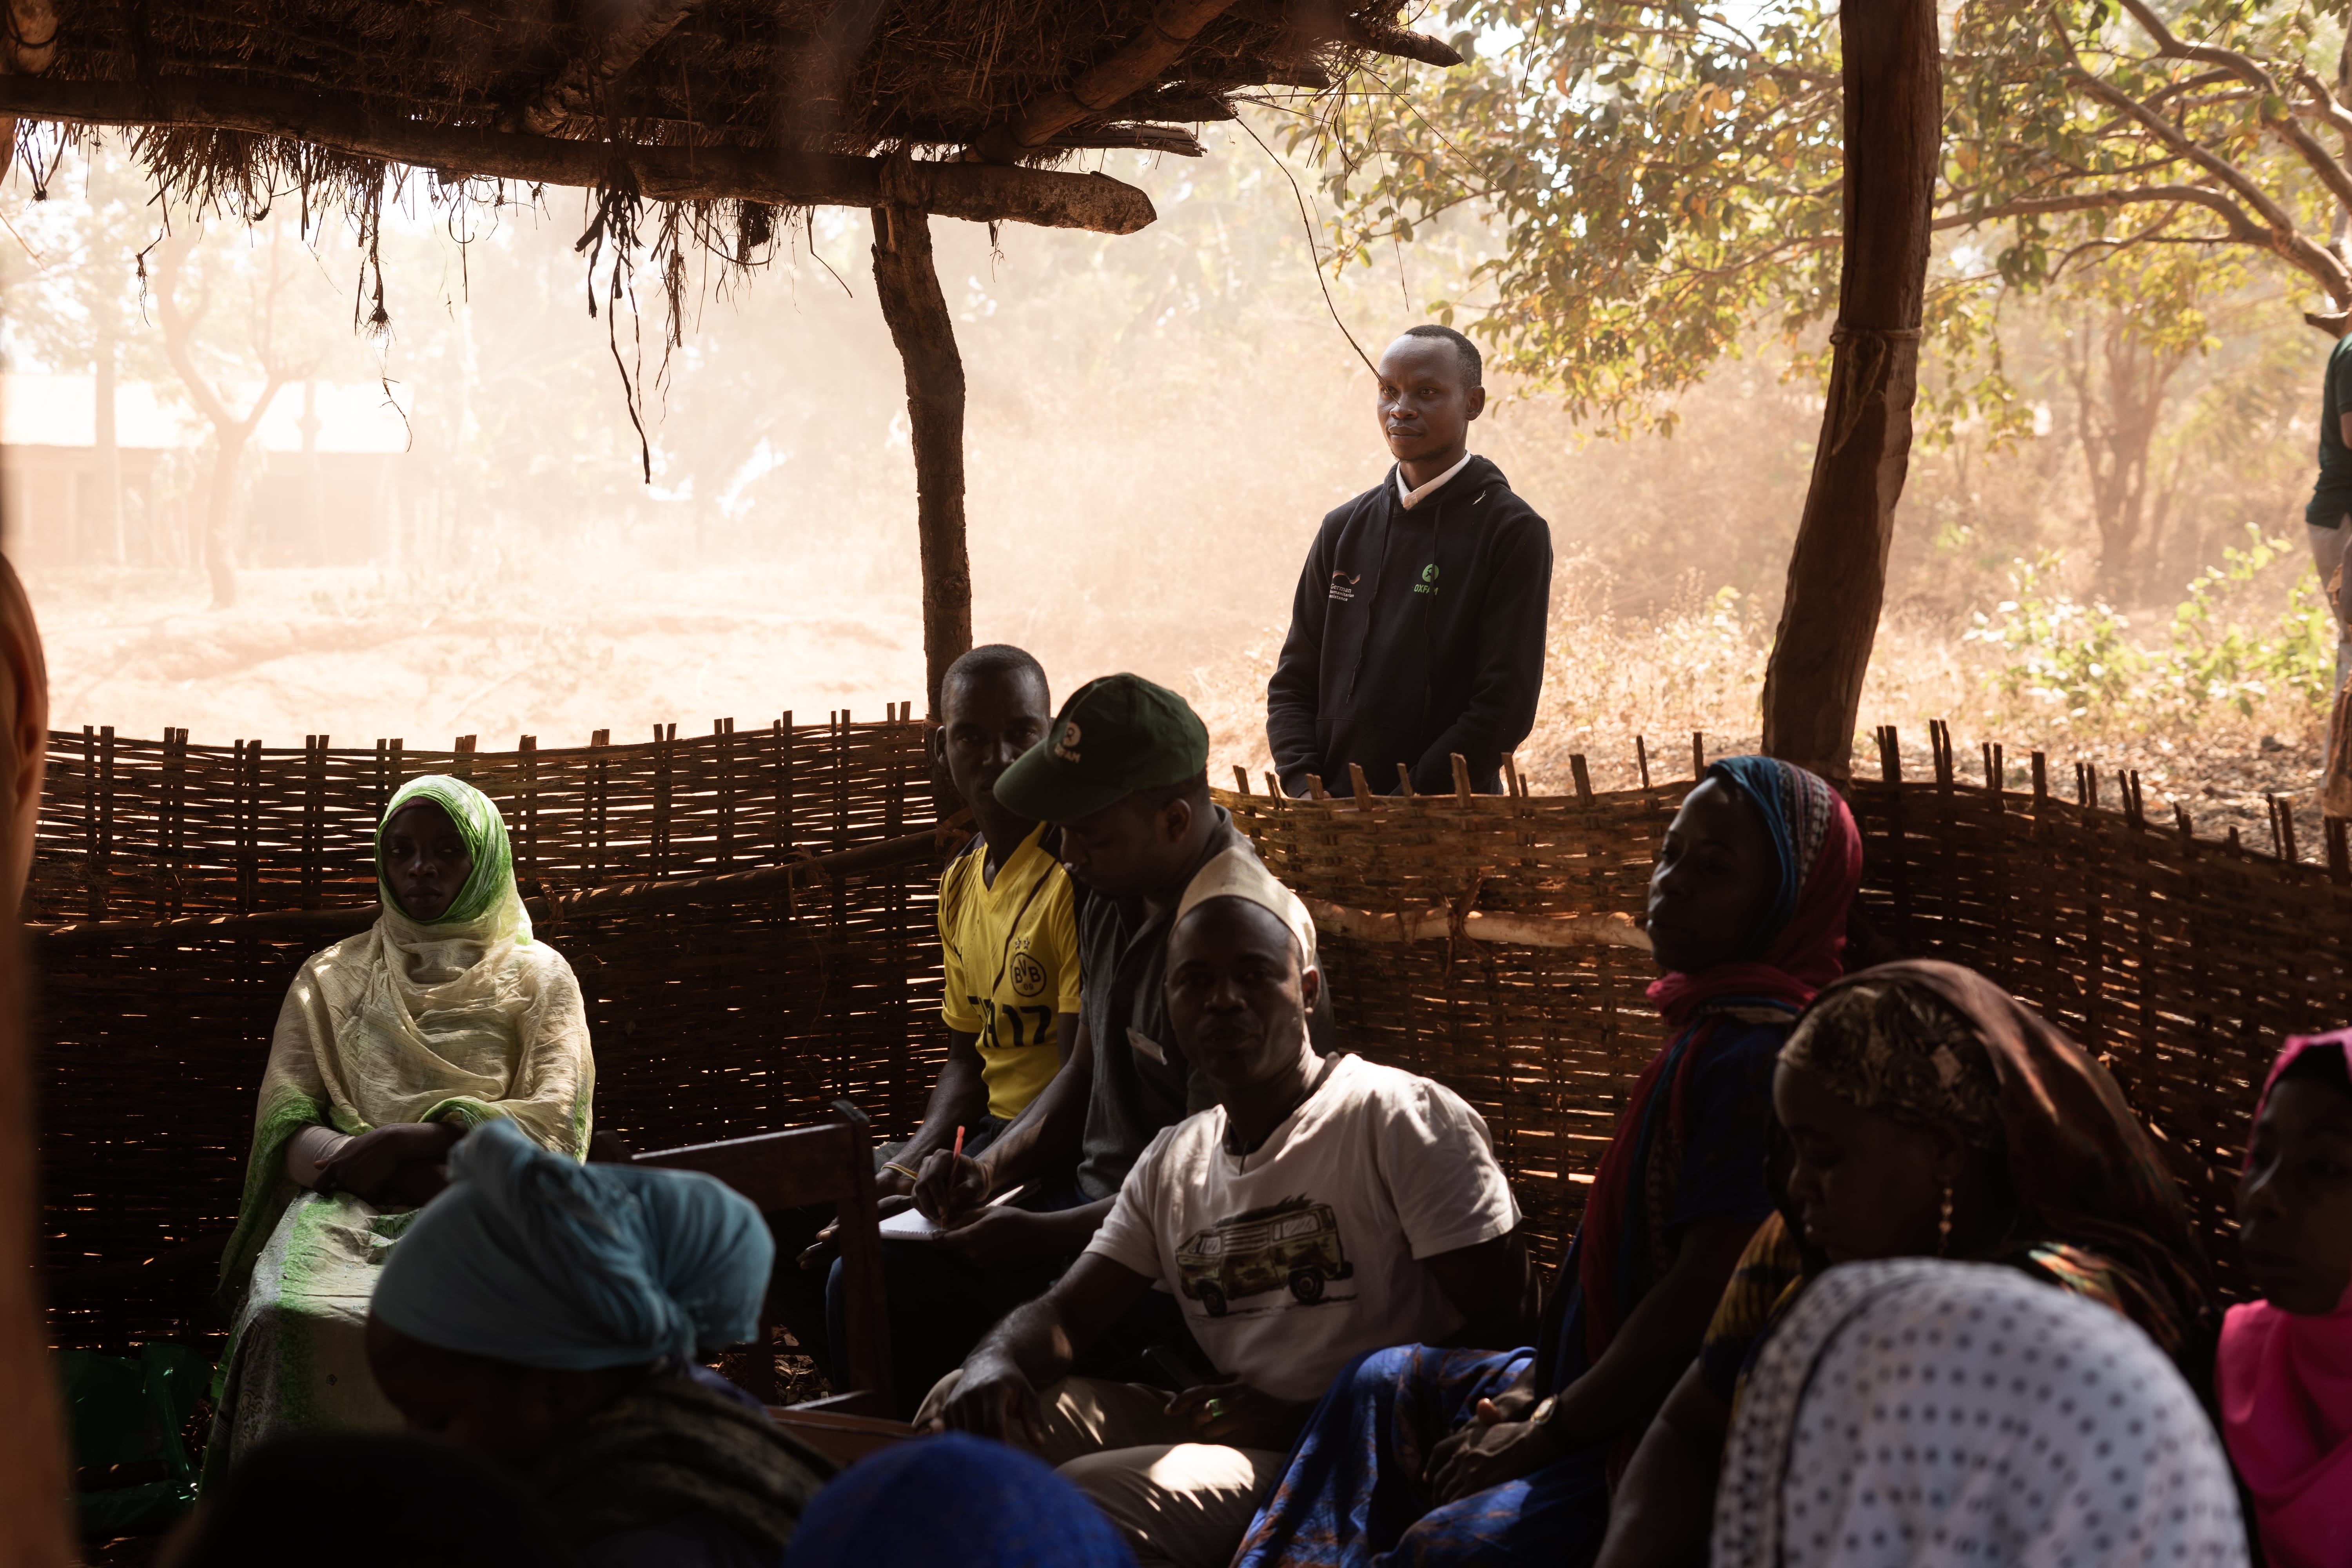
[2245,67]
[2330,170]
[2244,230]
[978,192]
[2283,238]
[2188,84]
[2324,105]
[177,330]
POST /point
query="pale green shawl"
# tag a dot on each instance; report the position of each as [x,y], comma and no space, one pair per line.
[461,1019]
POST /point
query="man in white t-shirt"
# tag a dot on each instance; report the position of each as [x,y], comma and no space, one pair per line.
[1323,1208]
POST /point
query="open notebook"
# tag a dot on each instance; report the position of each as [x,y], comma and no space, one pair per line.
[911,1225]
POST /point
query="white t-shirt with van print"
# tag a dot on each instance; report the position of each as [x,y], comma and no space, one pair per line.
[1293,1259]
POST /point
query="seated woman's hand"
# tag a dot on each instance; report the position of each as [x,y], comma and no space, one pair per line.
[825,1245]
[1487,1452]
[1237,1415]
[950,1185]
[992,1399]
[1516,1401]
[366,1166]
[414,1184]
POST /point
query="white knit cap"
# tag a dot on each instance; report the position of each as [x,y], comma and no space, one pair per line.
[1238,873]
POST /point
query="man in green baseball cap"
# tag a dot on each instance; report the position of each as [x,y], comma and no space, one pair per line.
[1123,772]
[1116,736]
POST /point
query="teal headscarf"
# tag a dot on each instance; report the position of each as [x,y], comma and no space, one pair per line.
[477,821]
[533,1260]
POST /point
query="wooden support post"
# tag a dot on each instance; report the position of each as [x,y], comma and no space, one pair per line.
[908,284]
[34,1477]
[36,1473]
[1837,574]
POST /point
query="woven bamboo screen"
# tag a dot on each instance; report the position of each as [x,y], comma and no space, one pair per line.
[2184,961]
[709,1021]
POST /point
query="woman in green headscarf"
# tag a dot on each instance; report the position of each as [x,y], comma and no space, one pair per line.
[390,1046]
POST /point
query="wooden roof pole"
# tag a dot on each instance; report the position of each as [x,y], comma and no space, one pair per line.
[979,192]
[634,27]
[1135,65]
[1837,572]
[908,281]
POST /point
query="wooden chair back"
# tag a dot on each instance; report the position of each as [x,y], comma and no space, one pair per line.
[830,1162]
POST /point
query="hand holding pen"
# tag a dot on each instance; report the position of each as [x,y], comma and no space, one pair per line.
[950,1185]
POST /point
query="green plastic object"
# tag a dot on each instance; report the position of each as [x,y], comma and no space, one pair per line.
[125,1412]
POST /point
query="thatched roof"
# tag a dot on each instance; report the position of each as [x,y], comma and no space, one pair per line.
[956,107]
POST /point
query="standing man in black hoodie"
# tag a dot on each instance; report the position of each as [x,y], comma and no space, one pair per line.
[1418,629]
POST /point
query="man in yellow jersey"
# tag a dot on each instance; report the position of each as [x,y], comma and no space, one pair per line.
[1009,940]
[1008,921]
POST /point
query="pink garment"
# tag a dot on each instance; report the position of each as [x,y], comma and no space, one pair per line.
[2285,1388]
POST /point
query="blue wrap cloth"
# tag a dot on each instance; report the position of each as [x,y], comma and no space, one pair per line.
[1352,1495]
[954,1500]
[533,1260]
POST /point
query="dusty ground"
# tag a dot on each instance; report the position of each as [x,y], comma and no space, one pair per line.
[363,654]
[363,657]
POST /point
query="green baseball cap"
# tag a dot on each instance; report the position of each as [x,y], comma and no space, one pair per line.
[1114,736]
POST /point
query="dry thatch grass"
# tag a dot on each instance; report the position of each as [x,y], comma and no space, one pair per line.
[811,75]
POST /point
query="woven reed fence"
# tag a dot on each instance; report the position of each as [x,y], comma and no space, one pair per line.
[2183,960]
[741,1012]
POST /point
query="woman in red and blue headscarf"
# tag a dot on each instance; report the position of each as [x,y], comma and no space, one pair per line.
[1424,1454]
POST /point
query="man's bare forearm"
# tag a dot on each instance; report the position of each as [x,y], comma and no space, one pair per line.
[1657,1340]
[959,1098]
[1041,1338]
[1490,1285]
[1076,1227]
[1032,1339]
[1660,1514]
[1046,1137]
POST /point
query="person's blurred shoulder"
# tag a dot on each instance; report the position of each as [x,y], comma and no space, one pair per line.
[689,1541]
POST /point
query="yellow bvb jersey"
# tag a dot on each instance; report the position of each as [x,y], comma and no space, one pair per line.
[1012,962]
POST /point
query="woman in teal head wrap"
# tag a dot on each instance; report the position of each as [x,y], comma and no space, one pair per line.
[548,1315]
[442,1015]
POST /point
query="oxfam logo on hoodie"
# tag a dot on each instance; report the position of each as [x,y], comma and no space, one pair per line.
[1428,584]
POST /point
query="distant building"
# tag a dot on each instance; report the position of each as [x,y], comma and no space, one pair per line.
[319,486]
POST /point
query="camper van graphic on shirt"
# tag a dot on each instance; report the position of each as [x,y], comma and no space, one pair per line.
[1293,1245]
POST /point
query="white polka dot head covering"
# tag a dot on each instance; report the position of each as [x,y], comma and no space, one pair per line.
[1937,1415]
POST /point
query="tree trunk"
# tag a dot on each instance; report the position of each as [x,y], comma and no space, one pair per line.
[109,450]
[908,285]
[220,546]
[2116,421]
[2123,508]
[230,432]
[1837,574]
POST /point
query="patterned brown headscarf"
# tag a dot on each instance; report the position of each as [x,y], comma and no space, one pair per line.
[1902,1051]
[2084,1170]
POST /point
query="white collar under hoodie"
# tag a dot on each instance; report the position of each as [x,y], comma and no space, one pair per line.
[1413,497]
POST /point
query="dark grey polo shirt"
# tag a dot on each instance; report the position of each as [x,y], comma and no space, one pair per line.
[1142,1082]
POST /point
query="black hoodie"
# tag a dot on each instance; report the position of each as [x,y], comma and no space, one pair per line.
[1415,635]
